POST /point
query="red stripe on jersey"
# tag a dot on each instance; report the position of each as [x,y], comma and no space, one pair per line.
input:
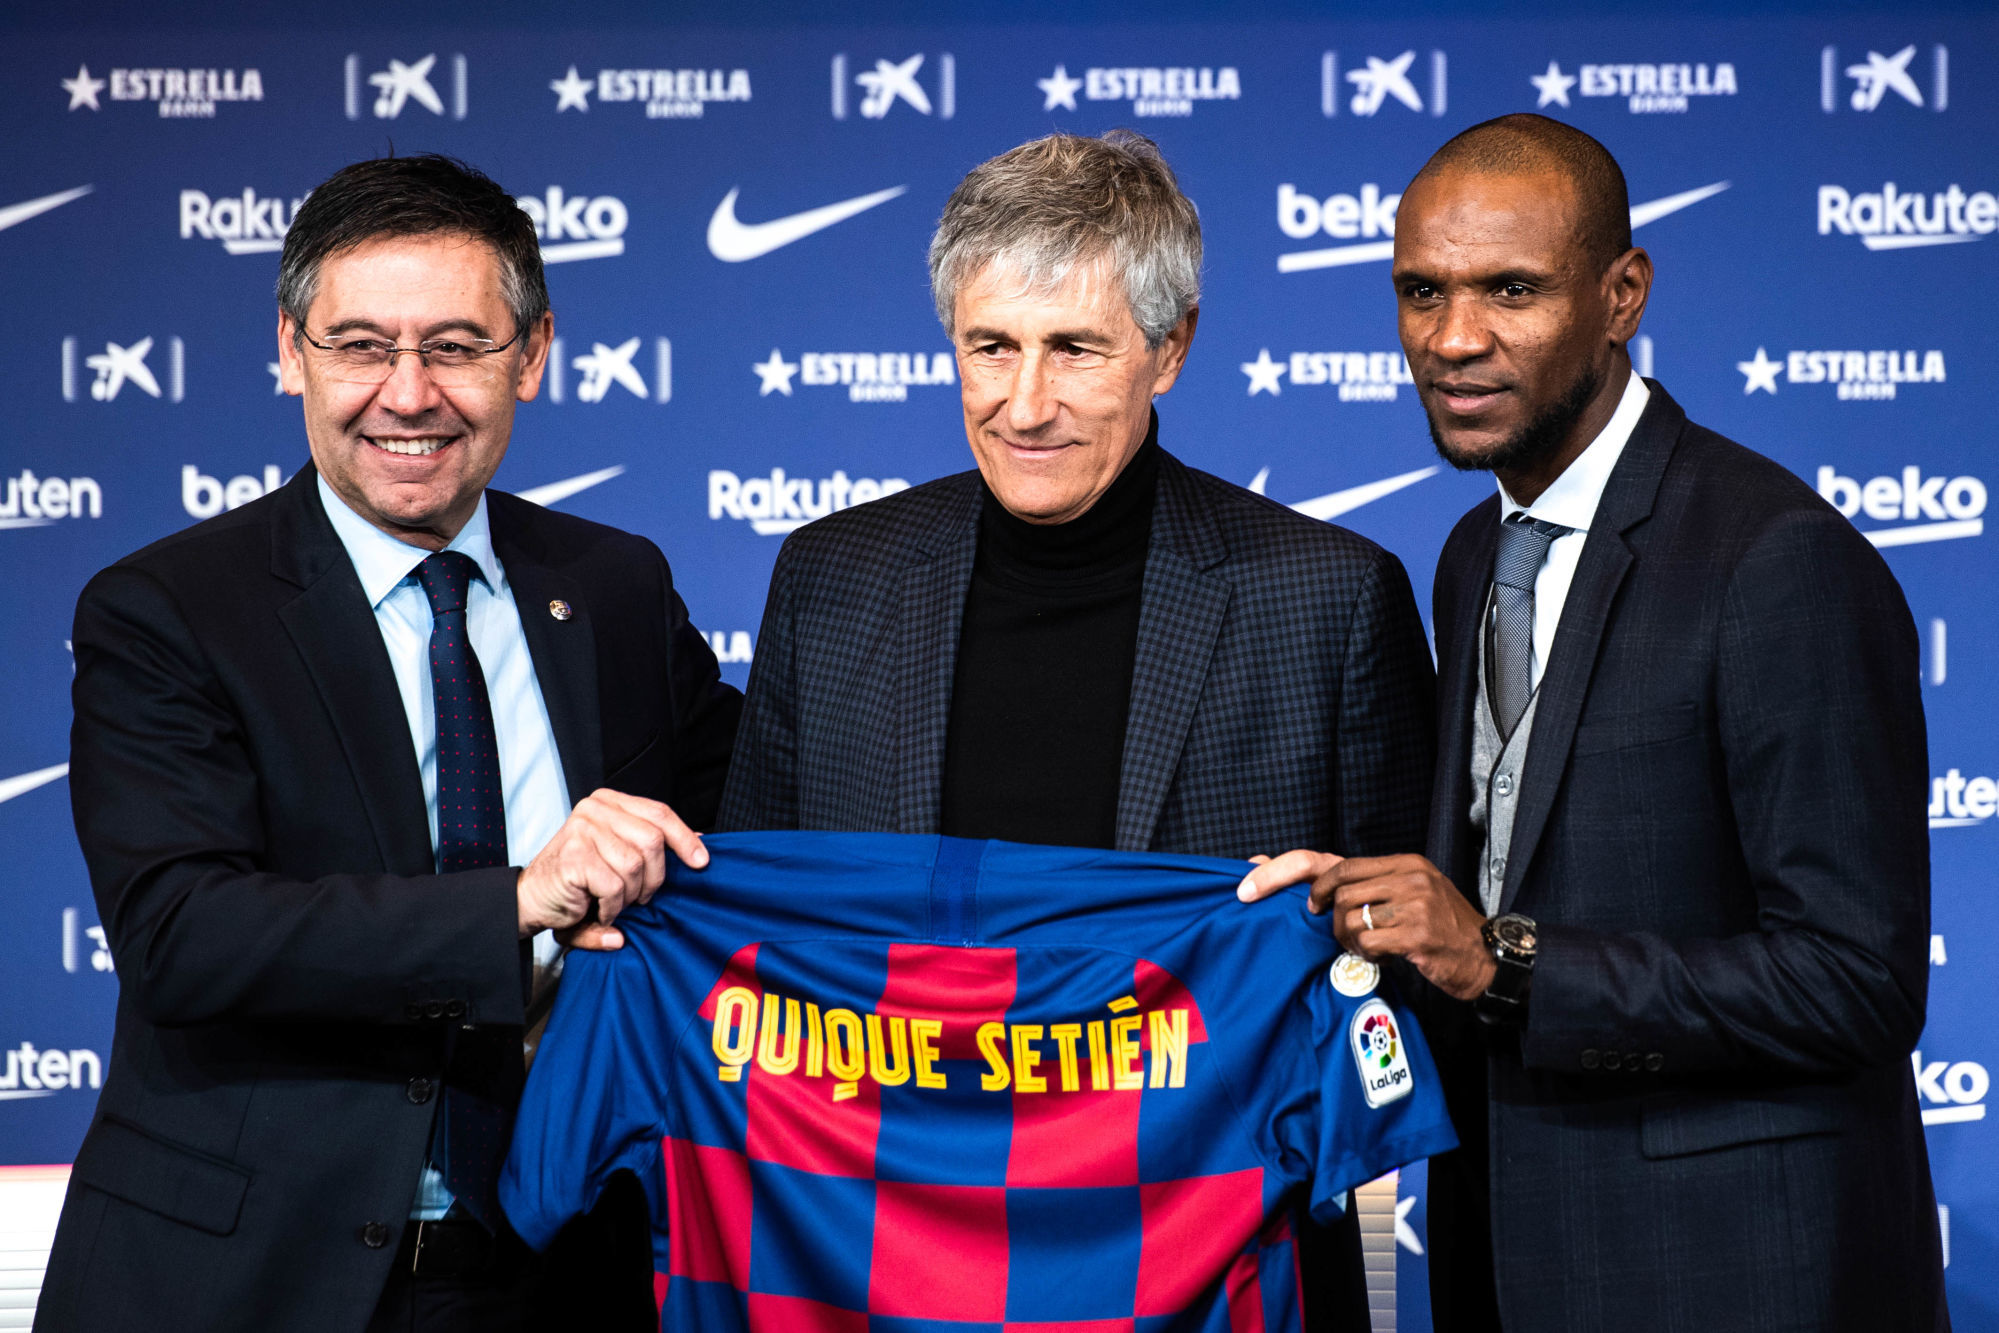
[1245,1293]
[1156,988]
[741,970]
[1073,1139]
[940,1252]
[708,1207]
[963,987]
[1193,1230]
[794,1314]
[794,1121]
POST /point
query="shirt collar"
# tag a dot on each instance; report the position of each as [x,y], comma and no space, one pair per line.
[1572,499]
[383,562]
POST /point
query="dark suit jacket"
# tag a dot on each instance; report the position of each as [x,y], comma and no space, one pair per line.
[1279,698]
[1710,1121]
[251,812]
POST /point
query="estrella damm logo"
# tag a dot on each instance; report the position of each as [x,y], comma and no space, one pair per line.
[786,1037]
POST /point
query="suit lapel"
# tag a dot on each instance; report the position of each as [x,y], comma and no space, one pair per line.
[932,595]
[564,651]
[1606,560]
[334,630]
[1179,619]
[1457,693]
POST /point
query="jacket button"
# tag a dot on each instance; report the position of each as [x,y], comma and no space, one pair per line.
[435,1009]
[1610,1060]
[413,1011]
[1655,1062]
[374,1235]
[1591,1059]
[419,1090]
[455,1009]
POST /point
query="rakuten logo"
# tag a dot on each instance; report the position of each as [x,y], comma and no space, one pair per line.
[1951,1093]
[1893,219]
[37,1073]
[1960,802]
[1932,509]
[778,504]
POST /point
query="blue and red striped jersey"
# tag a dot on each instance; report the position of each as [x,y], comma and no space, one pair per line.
[878,1083]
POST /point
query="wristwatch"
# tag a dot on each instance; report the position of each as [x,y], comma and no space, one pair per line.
[1512,941]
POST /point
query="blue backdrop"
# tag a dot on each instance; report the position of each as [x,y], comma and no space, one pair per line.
[1817,193]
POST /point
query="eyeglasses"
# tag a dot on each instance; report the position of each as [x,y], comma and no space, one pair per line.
[365,358]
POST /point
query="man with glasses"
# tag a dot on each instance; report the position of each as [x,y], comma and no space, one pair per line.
[325,756]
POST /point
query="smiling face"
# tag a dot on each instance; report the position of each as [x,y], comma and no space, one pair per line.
[1514,336]
[1057,386]
[409,455]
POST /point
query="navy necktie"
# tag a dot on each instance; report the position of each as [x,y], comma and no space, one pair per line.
[1523,548]
[469,1141]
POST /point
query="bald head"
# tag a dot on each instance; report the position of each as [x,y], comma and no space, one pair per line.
[1528,145]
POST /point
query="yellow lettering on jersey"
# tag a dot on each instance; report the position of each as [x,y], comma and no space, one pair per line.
[815,1042]
[773,1056]
[1169,1048]
[1026,1058]
[923,1034]
[990,1039]
[890,1073]
[1100,1060]
[735,1034]
[845,1054]
[1125,1056]
[1066,1035]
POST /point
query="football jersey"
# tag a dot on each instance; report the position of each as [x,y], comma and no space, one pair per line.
[882,1083]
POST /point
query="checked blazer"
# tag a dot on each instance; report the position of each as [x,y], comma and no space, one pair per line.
[1710,1119]
[1280,696]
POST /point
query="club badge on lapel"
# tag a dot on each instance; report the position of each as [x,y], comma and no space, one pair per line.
[560,609]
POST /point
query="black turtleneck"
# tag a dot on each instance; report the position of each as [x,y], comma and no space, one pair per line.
[1043,680]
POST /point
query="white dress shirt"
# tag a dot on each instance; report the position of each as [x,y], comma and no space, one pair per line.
[1571,501]
[535,793]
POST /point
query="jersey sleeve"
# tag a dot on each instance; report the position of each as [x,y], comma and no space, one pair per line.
[593,1104]
[1380,1103]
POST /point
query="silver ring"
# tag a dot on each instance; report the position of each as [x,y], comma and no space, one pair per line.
[1367,916]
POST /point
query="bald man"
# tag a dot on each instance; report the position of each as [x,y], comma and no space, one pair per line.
[1673,927]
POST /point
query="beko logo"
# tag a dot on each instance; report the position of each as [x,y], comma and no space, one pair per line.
[1931,509]
[577,226]
[1951,1093]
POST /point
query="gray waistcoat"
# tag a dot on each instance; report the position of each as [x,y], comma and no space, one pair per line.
[1495,782]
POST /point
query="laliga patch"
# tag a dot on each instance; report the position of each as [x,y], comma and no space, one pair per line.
[1354,976]
[1377,1052]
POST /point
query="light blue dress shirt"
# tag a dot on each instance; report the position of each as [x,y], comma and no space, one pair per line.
[531,781]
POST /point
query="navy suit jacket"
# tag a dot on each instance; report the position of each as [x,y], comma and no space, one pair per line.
[1280,698]
[252,815]
[1710,1120]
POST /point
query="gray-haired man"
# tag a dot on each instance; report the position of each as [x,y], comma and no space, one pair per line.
[1085,641]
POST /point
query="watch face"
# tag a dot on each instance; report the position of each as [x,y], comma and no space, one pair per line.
[1515,932]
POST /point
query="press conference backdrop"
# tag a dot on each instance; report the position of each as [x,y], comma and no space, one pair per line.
[735,222]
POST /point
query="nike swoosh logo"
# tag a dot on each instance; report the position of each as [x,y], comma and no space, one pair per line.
[1338,256]
[562,490]
[732,242]
[1335,503]
[21,212]
[27,782]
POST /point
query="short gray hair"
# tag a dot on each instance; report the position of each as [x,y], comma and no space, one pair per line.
[1057,203]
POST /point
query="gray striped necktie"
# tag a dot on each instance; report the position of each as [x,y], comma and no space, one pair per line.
[1523,547]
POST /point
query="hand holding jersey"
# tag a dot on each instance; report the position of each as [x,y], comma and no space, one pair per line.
[1400,906]
[608,855]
